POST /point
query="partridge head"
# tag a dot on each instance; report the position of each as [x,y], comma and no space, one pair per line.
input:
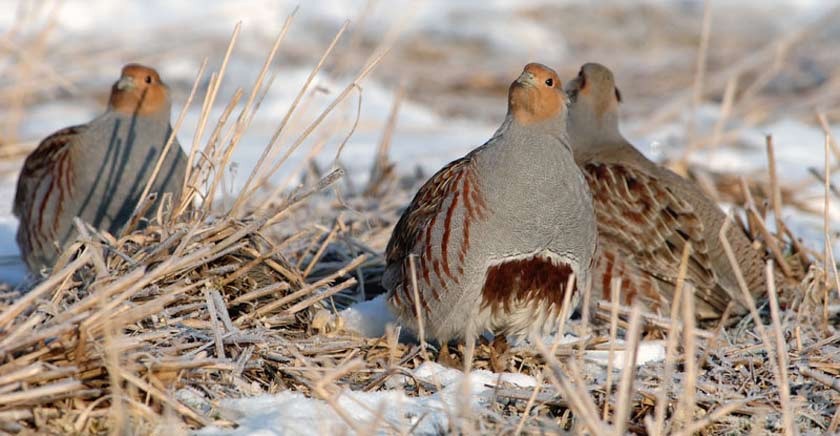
[593,113]
[139,91]
[97,171]
[536,96]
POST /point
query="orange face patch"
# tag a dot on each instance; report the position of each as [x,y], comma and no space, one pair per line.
[139,91]
[536,95]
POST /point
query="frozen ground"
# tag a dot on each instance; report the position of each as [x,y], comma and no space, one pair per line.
[453,104]
[292,413]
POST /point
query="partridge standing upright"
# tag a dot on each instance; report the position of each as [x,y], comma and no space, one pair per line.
[497,234]
[646,214]
[97,171]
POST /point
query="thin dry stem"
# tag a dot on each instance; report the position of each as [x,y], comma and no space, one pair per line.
[615,295]
[421,330]
[628,372]
[671,347]
[788,410]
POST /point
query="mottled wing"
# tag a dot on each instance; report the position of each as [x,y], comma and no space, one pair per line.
[636,285]
[422,209]
[46,180]
[453,188]
[639,216]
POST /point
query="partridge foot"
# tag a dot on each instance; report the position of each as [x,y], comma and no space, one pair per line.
[499,354]
[447,359]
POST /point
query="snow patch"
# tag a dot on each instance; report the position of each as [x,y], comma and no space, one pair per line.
[368,318]
[649,351]
[291,413]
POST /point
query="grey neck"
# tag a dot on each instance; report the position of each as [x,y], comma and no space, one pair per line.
[535,147]
[590,131]
[135,122]
[555,128]
[135,135]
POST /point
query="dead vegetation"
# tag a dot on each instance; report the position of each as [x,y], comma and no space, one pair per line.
[149,330]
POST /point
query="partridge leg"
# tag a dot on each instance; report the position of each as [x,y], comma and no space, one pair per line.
[499,353]
[445,358]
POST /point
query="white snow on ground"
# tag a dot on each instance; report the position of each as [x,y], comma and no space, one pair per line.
[649,351]
[368,318]
[290,413]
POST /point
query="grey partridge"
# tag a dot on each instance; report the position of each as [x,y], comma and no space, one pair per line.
[646,214]
[97,171]
[496,235]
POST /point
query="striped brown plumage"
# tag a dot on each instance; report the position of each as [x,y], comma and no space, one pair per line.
[635,284]
[456,182]
[50,179]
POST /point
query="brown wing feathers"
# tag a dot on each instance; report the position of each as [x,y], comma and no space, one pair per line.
[645,220]
[51,179]
[451,188]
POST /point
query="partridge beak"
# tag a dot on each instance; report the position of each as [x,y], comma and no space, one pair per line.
[526,79]
[125,83]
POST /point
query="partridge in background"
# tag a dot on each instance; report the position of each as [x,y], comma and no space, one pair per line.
[496,235]
[646,214]
[97,171]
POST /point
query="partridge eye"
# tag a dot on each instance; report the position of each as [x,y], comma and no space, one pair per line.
[549,82]
[148,79]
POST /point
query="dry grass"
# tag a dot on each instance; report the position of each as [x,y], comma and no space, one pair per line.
[148,331]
